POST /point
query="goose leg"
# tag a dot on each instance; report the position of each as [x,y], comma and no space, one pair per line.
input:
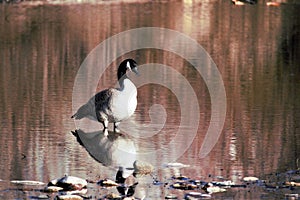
[105,125]
[116,124]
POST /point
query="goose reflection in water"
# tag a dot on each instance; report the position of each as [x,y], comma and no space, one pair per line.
[112,150]
[115,150]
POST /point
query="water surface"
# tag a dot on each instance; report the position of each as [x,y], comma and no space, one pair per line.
[255,48]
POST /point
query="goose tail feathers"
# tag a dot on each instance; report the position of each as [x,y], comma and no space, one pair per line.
[82,112]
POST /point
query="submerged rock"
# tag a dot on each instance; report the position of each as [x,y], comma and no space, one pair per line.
[69,183]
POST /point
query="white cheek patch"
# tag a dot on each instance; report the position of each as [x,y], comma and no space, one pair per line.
[128,66]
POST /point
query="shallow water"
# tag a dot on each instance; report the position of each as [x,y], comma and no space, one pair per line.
[255,49]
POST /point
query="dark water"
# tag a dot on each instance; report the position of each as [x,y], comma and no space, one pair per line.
[255,48]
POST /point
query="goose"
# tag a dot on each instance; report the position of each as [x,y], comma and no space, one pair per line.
[113,105]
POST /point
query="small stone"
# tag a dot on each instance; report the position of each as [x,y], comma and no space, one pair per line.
[210,188]
[43,197]
[224,183]
[76,192]
[215,189]
[171,197]
[250,179]
[69,197]
[292,183]
[40,197]
[107,183]
[292,196]
[53,189]
[196,195]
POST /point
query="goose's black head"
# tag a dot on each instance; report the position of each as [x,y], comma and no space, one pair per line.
[128,64]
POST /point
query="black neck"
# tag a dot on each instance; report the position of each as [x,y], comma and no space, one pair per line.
[121,77]
[121,74]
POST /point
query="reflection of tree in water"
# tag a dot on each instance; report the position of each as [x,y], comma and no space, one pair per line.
[290,38]
[287,74]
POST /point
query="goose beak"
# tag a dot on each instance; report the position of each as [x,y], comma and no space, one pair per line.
[135,71]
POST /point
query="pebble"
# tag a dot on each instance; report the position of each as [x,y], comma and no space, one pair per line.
[171,197]
[250,179]
[53,189]
[69,197]
[292,196]
[107,183]
[210,188]
[76,192]
[224,183]
[292,183]
[214,189]
[196,195]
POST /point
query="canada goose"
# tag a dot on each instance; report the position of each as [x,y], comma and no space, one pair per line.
[113,104]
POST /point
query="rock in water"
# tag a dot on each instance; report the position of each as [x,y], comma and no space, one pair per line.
[69,183]
[196,195]
[53,189]
[107,183]
[250,179]
[210,188]
[69,197]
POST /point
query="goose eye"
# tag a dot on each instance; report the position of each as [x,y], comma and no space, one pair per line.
[128,66]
